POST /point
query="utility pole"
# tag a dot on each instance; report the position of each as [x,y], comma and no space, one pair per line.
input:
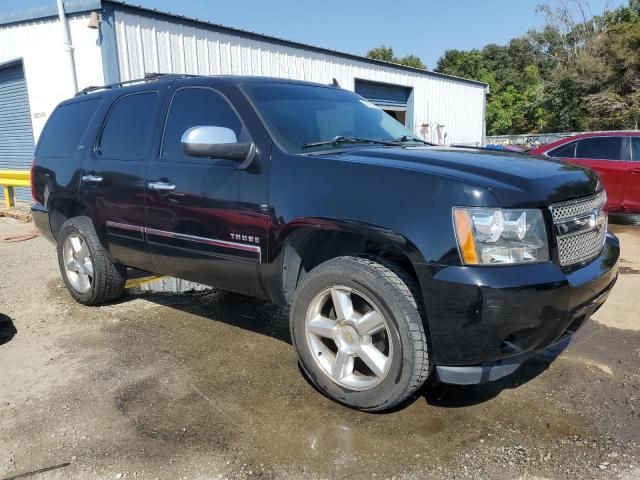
[68,47]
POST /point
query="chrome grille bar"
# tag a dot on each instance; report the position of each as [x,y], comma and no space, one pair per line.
[576,208]
[580,227]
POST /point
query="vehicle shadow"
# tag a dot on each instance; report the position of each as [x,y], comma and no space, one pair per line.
[456,396]
[252,314]
[266,318]
[7,329]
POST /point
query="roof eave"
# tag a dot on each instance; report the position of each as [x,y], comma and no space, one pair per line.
[291,43]
[82,6]
[50,10]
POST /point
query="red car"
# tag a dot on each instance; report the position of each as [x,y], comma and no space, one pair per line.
[616,158]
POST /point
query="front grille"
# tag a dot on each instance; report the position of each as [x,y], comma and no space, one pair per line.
[580,247]
[580,227]
[576,208]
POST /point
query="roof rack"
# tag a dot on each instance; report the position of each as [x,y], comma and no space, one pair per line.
[149,77]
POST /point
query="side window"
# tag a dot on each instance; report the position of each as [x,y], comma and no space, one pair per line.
[197,106]
[128,125]
[600,148]
[635,149]
[64,129]
[564,151]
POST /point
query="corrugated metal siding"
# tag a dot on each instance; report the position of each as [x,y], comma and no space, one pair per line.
[39,45]
[151,43]
[16,134]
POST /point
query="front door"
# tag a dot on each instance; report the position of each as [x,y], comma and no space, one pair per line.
[207,219]
[113,176]
[605,155]
[631,196]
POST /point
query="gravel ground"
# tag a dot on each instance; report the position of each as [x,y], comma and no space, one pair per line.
[206,386]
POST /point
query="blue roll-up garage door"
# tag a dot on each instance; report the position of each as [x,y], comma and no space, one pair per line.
[393,99]
[16,133]
[383,94]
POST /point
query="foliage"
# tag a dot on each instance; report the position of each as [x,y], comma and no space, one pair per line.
[386,55]
[579,72]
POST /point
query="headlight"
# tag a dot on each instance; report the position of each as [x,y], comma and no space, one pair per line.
[489,236]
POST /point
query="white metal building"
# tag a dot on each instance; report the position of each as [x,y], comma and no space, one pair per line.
[131,41]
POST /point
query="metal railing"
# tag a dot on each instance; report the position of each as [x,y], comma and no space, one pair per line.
[534,139]
[9,179]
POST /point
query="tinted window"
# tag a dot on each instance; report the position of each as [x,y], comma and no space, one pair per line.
[635,148]
[297,115]
[192,107]
[604,148]
[128,126]
[564,151]
[65,128]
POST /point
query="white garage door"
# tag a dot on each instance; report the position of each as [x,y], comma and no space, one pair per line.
[16,134]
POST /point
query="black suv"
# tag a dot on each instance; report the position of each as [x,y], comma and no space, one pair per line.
[398,259]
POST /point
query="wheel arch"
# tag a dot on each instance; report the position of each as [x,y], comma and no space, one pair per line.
[63,206]
[306,243]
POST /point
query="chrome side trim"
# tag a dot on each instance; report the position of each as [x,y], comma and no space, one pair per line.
[192,238]
[205,240]
[125,226]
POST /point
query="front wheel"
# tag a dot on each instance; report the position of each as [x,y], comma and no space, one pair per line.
[89,274]
[357,326]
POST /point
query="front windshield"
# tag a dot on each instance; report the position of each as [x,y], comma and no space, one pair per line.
[300,115]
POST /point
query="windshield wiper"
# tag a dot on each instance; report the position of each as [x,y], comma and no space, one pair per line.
[342,139]
[407,138]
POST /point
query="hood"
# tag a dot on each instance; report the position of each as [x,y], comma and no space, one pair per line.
[517,180]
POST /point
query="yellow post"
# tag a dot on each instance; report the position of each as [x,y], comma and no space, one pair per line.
[8,197]
[9,179]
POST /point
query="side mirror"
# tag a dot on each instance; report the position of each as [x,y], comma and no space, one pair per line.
[216,142]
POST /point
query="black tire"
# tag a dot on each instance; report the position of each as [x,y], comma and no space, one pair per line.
[396,297]
[108,279]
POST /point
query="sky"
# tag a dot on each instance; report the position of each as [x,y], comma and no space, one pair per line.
[421,27]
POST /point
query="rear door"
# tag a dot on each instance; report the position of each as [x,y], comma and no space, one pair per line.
[207,220]
[112,180]
[631,197]
[605,155]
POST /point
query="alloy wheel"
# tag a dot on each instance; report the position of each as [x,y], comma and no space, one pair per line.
[348,338]
[78,262]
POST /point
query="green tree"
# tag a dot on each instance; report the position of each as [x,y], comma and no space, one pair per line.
[578,72]
[412,61]
[386,55]
[465,64]
[382,53]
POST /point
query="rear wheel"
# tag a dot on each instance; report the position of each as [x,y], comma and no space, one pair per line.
[89,274]
[357,326]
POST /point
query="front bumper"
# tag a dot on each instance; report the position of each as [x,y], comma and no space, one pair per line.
[484,322]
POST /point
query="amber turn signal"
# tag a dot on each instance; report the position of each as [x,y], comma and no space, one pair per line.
[464,235]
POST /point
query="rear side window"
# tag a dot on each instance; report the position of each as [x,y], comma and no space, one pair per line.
[196,106]
[635,149]
[600,148]
[64,129]
[128,126]
[564,151]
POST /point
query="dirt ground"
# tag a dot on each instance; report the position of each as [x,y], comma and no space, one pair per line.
[206,386]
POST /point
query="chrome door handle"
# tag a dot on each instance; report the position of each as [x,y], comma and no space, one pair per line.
[91,179]
[161,186]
